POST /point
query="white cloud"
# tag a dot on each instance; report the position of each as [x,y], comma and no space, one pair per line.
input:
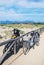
[21,3]
[11,14]
[6,3]
[27,4]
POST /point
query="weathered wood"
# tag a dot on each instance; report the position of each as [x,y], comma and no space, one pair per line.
[3,56]
[8,41]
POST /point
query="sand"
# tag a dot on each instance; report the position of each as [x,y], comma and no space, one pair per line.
[34,57]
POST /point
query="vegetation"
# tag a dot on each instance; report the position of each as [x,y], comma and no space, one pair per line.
[7,28]
[1,37]
[30,25]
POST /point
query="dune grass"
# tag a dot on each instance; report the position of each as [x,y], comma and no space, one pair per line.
[22,25]
[8,28]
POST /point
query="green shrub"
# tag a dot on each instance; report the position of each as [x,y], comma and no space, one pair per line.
[1,37]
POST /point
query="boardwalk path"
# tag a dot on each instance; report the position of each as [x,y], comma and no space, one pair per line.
[34,57]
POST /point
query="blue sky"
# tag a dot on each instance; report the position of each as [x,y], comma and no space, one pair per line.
[22,10]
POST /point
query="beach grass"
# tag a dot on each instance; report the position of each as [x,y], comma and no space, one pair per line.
[22,25]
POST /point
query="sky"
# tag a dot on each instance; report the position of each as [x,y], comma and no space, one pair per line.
[22,10]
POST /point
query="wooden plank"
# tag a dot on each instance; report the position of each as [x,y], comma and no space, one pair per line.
[13,57]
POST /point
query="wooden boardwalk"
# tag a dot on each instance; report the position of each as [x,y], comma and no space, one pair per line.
[13,58]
